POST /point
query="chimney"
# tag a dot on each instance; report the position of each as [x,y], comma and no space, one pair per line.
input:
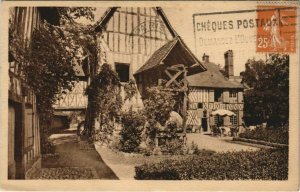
[228,55]
[205,58]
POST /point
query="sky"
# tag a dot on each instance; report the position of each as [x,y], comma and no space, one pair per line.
[180,15]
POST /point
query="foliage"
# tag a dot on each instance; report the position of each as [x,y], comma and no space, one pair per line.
[130,89]
[196,151]
[158,104]
[132,127]
[173,147]
[271,164]
[278,135]
[267,100]
[47,64]
[47,146]
[105,100]
[71,14]
[47,60]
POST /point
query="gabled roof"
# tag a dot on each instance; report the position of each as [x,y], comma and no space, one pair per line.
[212,78]
[158,57]
[110,12]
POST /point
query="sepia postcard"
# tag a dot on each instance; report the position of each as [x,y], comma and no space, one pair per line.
[150,95]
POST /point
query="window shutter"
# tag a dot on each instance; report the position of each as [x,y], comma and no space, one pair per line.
[226,96]
[240,97]
[211,95]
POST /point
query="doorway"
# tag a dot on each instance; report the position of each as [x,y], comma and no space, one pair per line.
[18,142]
[204,124]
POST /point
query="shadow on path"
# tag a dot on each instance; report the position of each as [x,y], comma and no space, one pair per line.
[75,153]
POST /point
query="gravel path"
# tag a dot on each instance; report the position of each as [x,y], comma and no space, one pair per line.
[218,144]
[74,159]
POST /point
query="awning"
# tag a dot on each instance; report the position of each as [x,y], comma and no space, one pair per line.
[223,112]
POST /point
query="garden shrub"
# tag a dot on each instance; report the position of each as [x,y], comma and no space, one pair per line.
[266,164]
[173,147]
[203,152]
[273,135]
[47,147]
[158,105]
[132,123]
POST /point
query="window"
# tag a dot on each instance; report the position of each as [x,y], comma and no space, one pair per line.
[232,94]
[122,70]
[218,95]
[200,105]
[218,120]
[234,119]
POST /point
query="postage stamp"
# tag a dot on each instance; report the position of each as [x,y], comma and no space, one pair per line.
[125,95]
[276,31]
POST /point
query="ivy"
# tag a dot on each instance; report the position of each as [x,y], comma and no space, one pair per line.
[105,101]
[47,60]
[130,90]
[158,105]
[71,14]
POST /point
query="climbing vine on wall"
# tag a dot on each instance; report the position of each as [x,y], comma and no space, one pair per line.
[46,60]
[105,102]
[130,90]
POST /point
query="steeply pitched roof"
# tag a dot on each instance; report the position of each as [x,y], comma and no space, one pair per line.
[110,12]
[212,78]
[159,55]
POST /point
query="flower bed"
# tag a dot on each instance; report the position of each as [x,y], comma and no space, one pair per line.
[263,165]
[279,135]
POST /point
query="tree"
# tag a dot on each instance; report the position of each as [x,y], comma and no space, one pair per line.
[132,123]
[267,100]
[47,60]
[158,106]
[105,101]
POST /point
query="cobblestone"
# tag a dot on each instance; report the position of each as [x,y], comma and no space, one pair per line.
[65,173]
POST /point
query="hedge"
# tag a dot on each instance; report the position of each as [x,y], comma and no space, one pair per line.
[266,164]
[279,135]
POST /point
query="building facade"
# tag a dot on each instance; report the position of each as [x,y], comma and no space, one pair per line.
[140,43]
[128,36]
[23,120]
[215,89]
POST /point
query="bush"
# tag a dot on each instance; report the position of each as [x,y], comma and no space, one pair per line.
[173,147]
[273,135]
[47,147]
[158,104]
[203,152]
[265,164]
[132,123]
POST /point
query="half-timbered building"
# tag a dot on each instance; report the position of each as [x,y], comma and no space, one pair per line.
[127,38]
[212,90]
[74,100]
[140,43]
[23,120]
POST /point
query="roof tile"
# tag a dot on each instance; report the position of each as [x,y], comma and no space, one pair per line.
[212,78]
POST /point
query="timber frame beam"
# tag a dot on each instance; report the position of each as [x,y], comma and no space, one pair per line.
[177,77]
